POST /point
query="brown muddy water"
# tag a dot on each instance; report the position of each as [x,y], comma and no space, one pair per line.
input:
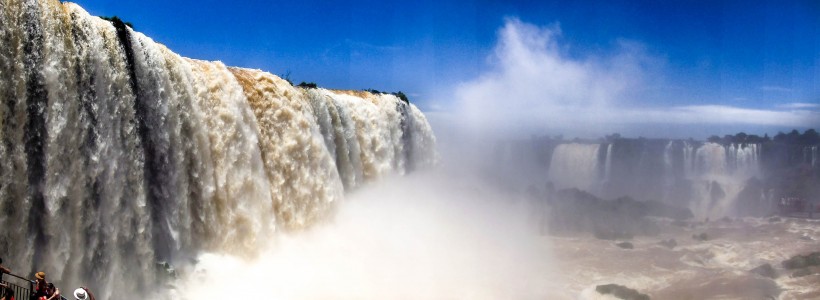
[718,267]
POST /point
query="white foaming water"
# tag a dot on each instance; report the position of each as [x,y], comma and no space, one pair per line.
[810,155]
[719,175]
[119,154]
[608,163]
[575,166]
[426,236]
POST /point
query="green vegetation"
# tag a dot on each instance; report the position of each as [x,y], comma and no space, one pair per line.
[117,19]
[402,97]
[307,85]
[809,137]
[286,77]
[398,94]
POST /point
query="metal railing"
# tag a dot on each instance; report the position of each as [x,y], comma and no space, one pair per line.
[21,287]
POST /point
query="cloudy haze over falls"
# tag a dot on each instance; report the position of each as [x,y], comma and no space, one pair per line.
[118,153]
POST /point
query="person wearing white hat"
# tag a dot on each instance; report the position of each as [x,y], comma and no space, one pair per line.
[82,293]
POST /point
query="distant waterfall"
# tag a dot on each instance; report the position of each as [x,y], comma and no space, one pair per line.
[118,153]
[575,166]
[706,177]
[710,160]
[608,163]
[810,156]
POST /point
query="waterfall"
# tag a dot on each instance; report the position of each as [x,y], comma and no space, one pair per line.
[119,154]
[706,177]
[720,174]
[668,170]
[710,160]
[810,156]
[688,159]
[608,163]
[575,166]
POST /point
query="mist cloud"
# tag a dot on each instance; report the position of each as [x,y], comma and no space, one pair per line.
[535,84]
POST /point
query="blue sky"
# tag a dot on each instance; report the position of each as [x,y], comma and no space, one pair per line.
[761,56]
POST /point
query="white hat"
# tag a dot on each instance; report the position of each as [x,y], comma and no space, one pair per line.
[80,294]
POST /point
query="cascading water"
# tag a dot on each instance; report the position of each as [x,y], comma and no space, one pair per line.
[118,153]
[720,175]
[575,166]
[810,156]
[608,163]
[707,178]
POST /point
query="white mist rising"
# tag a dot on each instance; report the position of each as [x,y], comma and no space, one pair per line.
[537,82]
[430,235]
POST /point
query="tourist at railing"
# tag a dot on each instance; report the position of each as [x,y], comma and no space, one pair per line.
[6,293]
[3,269]
[83,293]
[43,290]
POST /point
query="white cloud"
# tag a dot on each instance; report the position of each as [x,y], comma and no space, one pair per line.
[534,85]
[722,114]
[799,105]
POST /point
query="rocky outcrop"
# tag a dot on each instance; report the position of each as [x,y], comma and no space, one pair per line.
[625,245]
[803,265]
[765,270]
[621,292]
[802,261]
[700,237]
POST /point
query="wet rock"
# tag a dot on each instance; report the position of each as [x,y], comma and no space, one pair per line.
[806,238]
[802,272]
[802,261]
[670,243]
[625,245]
[765,270]
[620,292]
[727,220]
[774,219]
[165,269]
[700,237]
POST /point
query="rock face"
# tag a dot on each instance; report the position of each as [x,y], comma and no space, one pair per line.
[621,292]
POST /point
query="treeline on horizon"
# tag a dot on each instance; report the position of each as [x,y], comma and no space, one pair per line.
[809,137]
